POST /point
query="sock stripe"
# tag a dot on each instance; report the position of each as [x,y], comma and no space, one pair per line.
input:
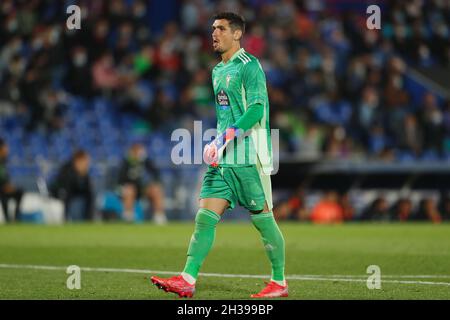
[261,215]
[210,213]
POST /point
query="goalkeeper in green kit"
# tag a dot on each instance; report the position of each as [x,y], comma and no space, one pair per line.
[239,158]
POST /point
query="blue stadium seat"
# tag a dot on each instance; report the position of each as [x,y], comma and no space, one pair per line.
[405,156]
[430,155]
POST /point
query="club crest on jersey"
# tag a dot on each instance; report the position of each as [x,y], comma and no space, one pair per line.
[228,79]
[222,99]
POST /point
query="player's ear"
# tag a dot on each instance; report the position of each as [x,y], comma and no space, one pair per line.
[237,35]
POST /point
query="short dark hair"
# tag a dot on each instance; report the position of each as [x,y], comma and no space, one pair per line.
[235,20]
[79,154]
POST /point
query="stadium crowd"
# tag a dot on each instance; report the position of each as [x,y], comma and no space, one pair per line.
[338,90]
[334,207]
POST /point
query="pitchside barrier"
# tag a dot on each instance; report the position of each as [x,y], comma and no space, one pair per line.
[36,208]
[362,180]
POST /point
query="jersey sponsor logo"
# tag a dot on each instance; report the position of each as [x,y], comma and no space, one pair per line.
[222,100]
[253,203]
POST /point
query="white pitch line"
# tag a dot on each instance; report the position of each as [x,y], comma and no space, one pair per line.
[392,276]
[342,278]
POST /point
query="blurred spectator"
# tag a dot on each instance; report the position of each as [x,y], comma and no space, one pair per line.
[144,60]
[396,96]
[162,110]
[53,111]
[328,209]
[30,89]
[432,124]
[7,189]
[410,136]
[293,208]
[333,109]
[428,211]
[368,108]
[347,207]
[311,143]
[72,184]
[105,75]
[402,210]
[168,49]
[98,39]
[444,207]
[446,117]
[254,42]
[139,177]
[378,142]
[338,145]
[378,210]
[78,77]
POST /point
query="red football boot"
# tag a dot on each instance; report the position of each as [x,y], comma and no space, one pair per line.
[176,285]
[272,290]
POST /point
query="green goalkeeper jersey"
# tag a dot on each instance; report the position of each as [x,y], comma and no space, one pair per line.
[239,84]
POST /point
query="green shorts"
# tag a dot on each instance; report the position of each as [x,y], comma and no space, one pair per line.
[242,185]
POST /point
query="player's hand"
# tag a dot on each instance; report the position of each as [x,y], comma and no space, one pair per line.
[210,153]
[214,149]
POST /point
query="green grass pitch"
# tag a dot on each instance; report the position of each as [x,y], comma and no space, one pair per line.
[414,260]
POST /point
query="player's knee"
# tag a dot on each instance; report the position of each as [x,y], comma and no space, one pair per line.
[129,191]
[217,205]
[263,210]
[203,217]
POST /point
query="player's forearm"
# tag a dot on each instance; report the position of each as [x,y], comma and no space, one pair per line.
[250,117]
[253,114]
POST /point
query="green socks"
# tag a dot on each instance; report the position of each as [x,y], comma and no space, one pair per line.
[205,231]
[201,241]
[273,242]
